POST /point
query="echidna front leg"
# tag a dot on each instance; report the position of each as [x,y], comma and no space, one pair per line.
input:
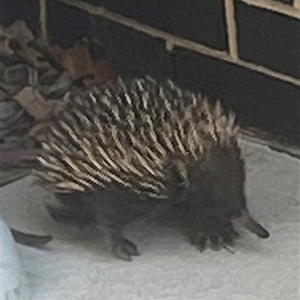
[113,240]
[122,247]
[207,231]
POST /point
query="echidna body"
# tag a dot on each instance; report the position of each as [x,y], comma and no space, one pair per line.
[140,141]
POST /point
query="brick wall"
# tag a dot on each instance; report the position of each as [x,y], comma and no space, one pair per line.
[245,52]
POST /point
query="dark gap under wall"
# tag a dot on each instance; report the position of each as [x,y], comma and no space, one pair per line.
[66,25]
[133,53]
[11,10]
[290,2]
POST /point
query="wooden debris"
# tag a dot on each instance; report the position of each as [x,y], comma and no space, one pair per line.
[34,103]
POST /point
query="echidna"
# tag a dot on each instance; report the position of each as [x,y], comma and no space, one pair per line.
[114,150]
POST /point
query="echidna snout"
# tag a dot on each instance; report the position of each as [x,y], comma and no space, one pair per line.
[216,191]
[250,224]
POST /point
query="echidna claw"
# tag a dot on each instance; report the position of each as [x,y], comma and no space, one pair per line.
[131,247]
[125,249]
[228,248]
[202,244]
[30,239]
[215,242]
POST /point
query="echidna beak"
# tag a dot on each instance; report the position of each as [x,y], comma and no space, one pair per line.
[246,221]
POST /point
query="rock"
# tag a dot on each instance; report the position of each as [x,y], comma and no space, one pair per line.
[8,109]
[16,75]
[3,95]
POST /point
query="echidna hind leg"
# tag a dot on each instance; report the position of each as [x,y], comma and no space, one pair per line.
[123,248]
[116,243]
[101,215]
[110,238]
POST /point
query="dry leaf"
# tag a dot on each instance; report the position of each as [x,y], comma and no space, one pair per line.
[5,49]
[19,31]
[60,86]
[79,63]
[40,129]
[17,75]
[8,109]
[34,103]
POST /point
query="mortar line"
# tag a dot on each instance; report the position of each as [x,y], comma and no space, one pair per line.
[43,19]
[231,29]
